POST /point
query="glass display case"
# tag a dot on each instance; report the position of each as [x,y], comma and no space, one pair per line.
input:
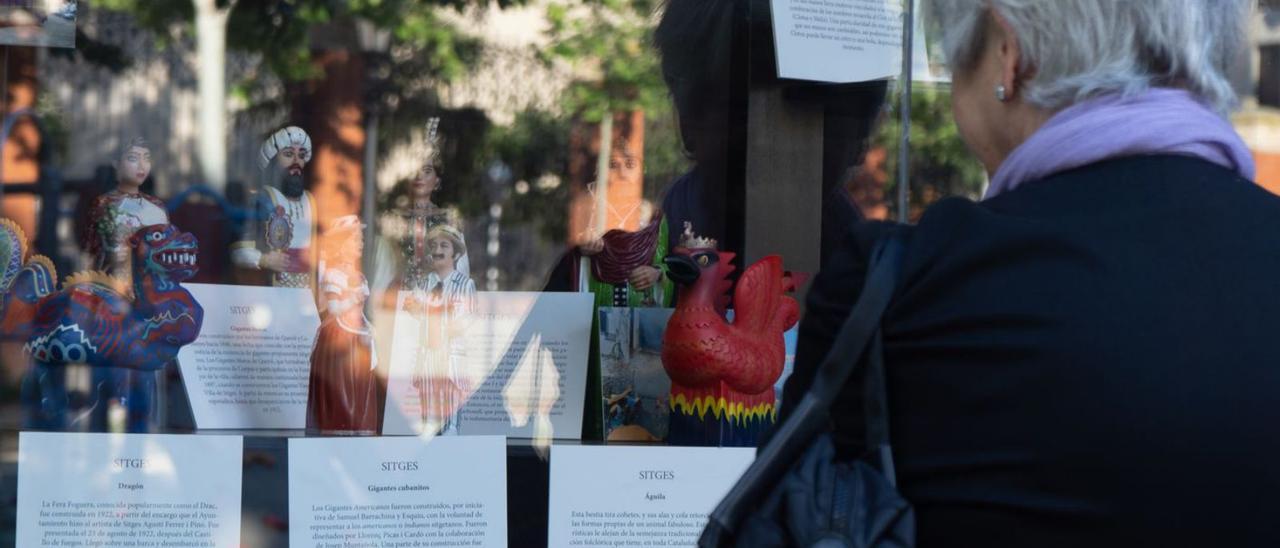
[380,222]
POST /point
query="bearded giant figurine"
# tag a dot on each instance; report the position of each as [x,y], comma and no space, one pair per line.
[280,238]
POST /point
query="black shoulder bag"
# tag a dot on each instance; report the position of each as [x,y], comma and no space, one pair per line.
[797,493]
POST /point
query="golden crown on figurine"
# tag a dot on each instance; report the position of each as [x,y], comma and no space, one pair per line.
[689,240]
[433,139]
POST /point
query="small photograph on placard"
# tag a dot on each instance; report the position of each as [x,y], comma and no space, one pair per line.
[41,23]
[635,388]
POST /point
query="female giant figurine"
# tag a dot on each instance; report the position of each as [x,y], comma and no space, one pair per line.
[343,388]
[114,218]
[404,262]
[119,213]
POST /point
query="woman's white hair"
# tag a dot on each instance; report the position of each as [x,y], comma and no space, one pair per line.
[1084,48]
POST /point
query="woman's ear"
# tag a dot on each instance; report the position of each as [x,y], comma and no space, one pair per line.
[1009,51]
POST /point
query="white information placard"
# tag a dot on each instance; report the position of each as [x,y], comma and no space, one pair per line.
[128,490]
[398,492]
[250,365]
[839,41]
[516,367]
[637,496]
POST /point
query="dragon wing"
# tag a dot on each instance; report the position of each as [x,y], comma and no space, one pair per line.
[758,295]
[13,249]
[18,303]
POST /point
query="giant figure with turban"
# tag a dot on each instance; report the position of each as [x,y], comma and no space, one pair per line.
[280,238]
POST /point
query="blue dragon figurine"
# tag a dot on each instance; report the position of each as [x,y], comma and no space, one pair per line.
[98,320]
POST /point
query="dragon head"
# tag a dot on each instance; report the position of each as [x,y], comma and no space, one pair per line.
[165,253]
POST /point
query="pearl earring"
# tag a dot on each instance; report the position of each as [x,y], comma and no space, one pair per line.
[1001,94]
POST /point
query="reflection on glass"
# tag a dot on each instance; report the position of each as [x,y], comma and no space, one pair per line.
[532,392]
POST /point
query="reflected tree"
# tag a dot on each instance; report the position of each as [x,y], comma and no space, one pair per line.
[941,164]
[424,51]
[610,45]
[607,44]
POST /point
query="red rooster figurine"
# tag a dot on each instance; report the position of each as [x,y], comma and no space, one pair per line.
[722,373]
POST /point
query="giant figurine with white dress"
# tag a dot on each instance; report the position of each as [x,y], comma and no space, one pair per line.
[113,220]
[343,388]
[403,258]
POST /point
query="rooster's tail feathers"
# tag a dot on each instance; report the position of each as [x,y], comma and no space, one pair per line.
[788,314]
[758,293]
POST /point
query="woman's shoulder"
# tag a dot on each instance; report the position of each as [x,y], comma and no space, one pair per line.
[839,282]
[939,222]
[840,279]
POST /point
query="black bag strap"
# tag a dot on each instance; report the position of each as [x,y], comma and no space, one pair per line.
[875,408]
[858,334]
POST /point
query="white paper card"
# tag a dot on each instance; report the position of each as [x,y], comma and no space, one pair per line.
[635,496]
[250,365]
[519,366]
[838,41]
[451,491]
[128,490]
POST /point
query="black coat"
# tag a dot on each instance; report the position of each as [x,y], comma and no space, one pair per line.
[1091,359]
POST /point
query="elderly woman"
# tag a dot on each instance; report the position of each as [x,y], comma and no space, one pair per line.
[1086,357]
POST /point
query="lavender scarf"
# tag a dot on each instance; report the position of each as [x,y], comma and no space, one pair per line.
[1158,121]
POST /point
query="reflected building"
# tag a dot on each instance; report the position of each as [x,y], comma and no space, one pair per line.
[1256,77]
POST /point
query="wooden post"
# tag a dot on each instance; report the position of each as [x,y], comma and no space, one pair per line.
[783,180]
[783,157]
